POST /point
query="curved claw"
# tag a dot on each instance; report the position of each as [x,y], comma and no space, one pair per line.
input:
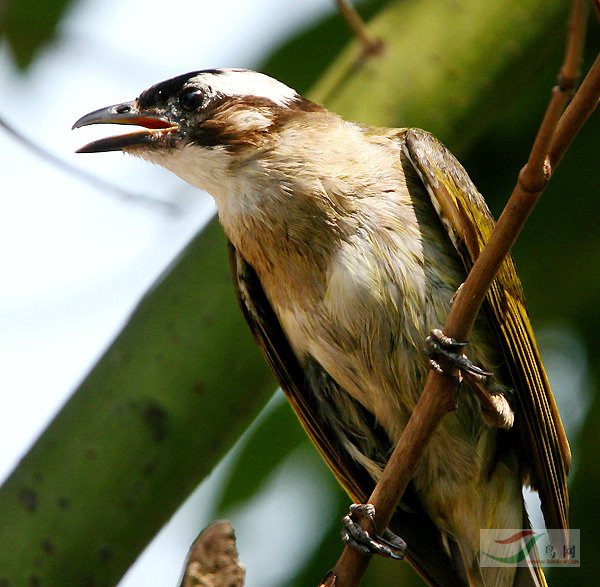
[496,410]
[446,347]
[389,545]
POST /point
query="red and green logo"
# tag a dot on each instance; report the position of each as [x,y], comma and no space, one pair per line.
[526,538]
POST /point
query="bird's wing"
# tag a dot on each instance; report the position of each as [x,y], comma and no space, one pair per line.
[469,223]
[425,549]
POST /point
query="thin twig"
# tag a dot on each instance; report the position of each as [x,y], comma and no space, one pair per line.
[570,70]
[96,182]
[438,397]
[535,175]
[579,110]
[371,45]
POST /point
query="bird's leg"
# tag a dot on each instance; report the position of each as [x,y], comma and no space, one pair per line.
[496,410]
[369,542]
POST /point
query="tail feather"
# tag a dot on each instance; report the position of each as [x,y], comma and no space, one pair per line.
[499,505]
[529,575]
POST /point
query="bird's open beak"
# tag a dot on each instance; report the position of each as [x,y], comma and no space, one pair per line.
[125,113]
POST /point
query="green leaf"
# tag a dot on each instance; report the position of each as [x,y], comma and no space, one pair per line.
[168,399]
[28,26]
[271,441]
[449,66]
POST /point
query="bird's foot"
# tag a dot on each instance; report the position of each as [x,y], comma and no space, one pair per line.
[443,352]
[448,350]
[389,545]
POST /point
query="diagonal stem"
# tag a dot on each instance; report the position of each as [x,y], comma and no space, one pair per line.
[370,44]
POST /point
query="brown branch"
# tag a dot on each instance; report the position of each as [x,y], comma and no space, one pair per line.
[213,559]
[579,110]
[370,44]
[570,70]
[439,393]
[437,399]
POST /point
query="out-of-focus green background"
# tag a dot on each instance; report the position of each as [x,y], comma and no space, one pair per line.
[183,380]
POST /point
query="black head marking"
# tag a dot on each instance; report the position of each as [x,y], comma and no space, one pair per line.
[161,92]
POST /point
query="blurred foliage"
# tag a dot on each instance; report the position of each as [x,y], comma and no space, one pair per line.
[491,128]
[312,50]
[28,26]
[277,435]
[149,422]
[585,513]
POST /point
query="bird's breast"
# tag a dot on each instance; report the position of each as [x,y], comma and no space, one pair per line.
[364,317]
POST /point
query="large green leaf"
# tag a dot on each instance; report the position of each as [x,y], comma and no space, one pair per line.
[274,438]
[28,26]
[170,396]
[448,66]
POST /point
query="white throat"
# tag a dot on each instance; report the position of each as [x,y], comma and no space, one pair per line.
[238,193]
[206,169]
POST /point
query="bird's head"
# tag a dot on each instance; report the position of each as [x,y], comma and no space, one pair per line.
[201,122]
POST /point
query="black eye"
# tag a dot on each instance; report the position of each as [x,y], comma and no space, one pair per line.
[191,99]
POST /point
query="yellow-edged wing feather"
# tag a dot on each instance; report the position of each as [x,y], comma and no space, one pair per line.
[469,223]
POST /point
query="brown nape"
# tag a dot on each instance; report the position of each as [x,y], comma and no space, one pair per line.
[221,125]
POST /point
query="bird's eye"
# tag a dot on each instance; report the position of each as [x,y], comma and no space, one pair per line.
[191,99]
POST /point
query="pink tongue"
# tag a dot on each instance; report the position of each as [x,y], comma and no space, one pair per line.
[149,122]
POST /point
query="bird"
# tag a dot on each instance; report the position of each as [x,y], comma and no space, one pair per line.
[347,243]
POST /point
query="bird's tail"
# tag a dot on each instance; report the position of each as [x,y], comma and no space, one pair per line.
[500,550]
[508,551]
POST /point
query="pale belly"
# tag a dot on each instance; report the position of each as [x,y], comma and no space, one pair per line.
[369,334]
